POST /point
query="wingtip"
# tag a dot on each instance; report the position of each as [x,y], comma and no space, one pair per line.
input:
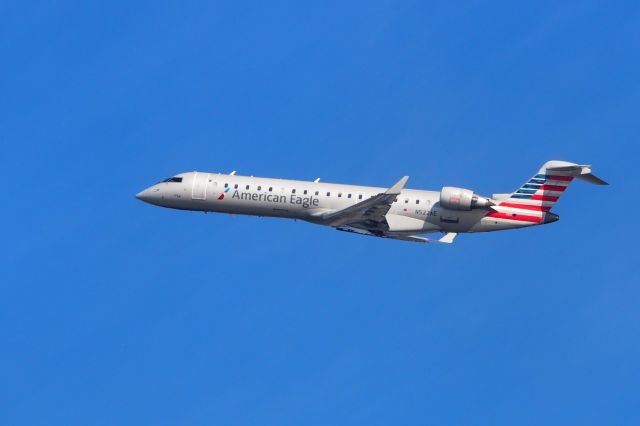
[448,237]
[397,187]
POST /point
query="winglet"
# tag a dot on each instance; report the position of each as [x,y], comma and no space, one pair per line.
[395,189]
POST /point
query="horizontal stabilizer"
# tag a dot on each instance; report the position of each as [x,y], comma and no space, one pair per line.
[579,171]
[591,178]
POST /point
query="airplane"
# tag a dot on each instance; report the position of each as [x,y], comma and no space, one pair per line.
[395,212]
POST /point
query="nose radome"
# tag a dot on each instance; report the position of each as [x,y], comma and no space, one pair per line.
[144,195]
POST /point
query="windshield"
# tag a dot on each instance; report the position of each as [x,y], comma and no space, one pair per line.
[173,179]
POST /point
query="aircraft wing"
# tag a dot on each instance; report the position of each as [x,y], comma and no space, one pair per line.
[446,239]
[372,209]
[368,218]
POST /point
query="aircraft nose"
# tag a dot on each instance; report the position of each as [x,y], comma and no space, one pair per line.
[145,195]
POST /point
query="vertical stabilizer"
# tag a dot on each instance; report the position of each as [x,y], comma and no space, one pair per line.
[535,198]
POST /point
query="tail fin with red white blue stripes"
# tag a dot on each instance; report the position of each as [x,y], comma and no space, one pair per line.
[535,198]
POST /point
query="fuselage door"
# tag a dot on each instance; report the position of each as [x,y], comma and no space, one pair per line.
[199,188]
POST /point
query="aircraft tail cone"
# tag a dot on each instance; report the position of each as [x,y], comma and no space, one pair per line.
[550,217]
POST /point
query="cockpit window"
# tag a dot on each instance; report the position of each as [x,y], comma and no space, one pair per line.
[173,179]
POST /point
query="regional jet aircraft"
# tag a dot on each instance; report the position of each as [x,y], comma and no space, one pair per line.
[396,212]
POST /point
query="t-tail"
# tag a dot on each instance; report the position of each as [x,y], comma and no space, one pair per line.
[533,201]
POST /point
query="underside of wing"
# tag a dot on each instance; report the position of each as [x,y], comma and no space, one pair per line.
[412,238]
[446,238]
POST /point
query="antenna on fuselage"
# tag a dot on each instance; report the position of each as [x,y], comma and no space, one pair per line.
[317,180]
[233,173]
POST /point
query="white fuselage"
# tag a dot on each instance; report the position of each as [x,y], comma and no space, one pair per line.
[414,211]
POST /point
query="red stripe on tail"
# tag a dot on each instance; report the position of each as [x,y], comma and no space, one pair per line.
[526,207]
[561,178]
[544,198]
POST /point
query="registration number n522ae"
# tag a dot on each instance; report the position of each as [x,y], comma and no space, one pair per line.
[425,212]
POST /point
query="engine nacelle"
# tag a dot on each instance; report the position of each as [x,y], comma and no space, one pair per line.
[453,198]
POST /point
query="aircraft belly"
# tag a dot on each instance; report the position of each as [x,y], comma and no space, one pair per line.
[402,223]
[487,224]
[457,221]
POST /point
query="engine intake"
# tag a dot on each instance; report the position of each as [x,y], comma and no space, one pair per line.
[453,198]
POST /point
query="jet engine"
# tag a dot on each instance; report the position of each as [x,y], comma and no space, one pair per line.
[453,198]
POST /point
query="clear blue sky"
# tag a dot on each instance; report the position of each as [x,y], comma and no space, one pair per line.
[113,312]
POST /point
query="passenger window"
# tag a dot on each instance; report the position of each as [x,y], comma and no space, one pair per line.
[317,192]
[339,194]
[348,195]
[293,191]
[417,201]
[259,188]
[235,186]
[247,187]
[270,188]
[305,192]
[360,197]
[226,185]
[328,194]
[406,200]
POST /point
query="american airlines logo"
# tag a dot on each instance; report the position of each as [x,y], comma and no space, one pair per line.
[305,202]
[221,196]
